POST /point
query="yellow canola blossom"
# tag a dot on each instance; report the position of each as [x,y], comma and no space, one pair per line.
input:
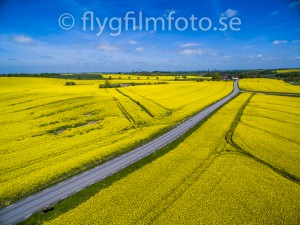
[201,181]
[270,130]
[268,85]
[50,131]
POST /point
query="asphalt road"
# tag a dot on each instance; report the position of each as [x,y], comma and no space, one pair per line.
[23,209]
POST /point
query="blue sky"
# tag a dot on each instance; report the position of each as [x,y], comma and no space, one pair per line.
[32,41]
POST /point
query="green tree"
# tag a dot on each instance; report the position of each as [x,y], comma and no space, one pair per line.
[216,77]
[107,84]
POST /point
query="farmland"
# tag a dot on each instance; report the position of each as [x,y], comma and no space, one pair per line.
[268,85]
[225,172]
[288,71]
[51,131]
[270,130]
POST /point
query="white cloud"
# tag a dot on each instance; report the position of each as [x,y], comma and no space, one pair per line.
[274,13]
[296,42]
[192,52]
[229,13]
[278,42]
[140,49]
[133,42]
[108,48]
[260,56]
[21,39]
[186,45]
[297,57]
[294,4]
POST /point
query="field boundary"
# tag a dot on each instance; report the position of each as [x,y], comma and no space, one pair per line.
[272,93]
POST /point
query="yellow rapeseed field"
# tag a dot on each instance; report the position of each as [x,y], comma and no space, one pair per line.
[49,130]
[270,130]
[203,180]
[268,85]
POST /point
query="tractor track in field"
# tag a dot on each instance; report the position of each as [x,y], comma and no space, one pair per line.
[273,93]
[143,108]
[270,118]
[169,111]
[270,133]
[125,114]
[229,139]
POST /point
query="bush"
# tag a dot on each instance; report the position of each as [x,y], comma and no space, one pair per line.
[70,83]
[107,84]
